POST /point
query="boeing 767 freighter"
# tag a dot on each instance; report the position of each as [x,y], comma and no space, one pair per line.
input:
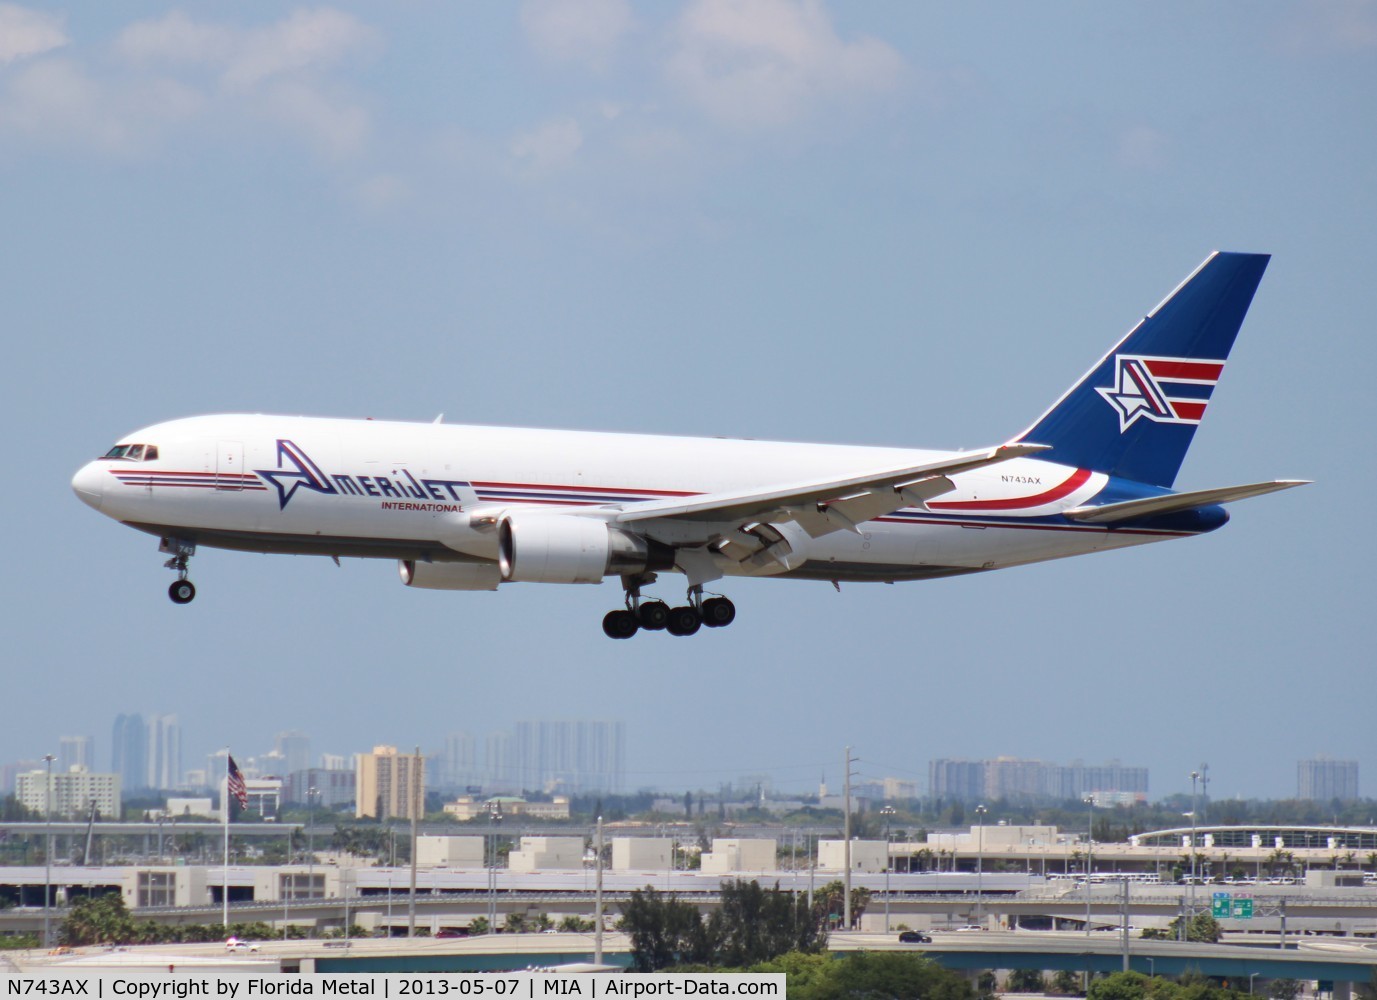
[471,508]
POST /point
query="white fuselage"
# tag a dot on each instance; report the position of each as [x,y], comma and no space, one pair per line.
[411,491]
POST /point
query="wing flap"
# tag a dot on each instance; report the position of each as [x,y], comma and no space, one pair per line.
[1171,503]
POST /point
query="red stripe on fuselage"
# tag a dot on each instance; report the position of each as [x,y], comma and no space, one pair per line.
[581,489]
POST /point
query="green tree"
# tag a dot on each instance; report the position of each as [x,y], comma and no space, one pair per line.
[1119,986]
[1025,981]
[890,974]
[1284,989]
[755,924]
[833,893]
[478,925]
[1066,982]
[752,925]
[664,931]
[1202,927]
[98,920]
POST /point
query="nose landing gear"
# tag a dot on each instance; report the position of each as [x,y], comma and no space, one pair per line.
[182,591]
[656,615]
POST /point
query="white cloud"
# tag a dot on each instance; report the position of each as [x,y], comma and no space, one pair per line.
[56,101]
[576,31]
[175,68]
[334,126]
[550,146]
[768,62]
[25,32]
[306,41]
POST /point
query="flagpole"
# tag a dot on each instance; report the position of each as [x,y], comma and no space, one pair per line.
[224,802]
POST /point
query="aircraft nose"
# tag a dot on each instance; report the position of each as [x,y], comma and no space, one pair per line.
[89,484]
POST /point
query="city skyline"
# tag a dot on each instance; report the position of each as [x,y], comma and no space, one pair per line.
[541,756]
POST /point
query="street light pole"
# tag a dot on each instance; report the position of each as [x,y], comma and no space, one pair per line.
[1190,890]
[1089,854]
[417,775]
[48,851]
[980,811]
[888,813]
[846,832]
[310,842]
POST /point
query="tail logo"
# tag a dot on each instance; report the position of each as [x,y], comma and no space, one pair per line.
[1163,390]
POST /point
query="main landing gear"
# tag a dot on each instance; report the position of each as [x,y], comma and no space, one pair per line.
[656,616]
[182,591]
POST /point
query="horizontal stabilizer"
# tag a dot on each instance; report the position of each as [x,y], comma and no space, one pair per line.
[1171,503]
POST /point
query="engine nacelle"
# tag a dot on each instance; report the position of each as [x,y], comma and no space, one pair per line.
[540,547]
[449,575]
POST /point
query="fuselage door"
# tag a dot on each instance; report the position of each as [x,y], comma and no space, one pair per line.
[229,465]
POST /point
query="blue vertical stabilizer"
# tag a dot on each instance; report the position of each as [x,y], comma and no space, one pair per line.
[1134,414]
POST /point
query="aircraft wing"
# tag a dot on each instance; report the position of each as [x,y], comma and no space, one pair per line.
[1127,510]
[823,506]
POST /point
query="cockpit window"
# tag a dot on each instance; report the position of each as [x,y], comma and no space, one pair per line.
[133,452]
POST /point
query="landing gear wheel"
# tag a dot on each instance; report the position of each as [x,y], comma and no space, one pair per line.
[718,612]
[683,621]
[181,592]
[653,615]
[617,624]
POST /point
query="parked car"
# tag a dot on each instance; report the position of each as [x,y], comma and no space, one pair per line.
[914,937]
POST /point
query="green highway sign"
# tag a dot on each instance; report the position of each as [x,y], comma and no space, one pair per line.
[1219,905]
[1243,907]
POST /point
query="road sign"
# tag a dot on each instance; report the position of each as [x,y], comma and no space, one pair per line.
[1243,907]
[1219,905]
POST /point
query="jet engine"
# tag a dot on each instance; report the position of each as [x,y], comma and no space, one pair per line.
[539,547]
[449,575]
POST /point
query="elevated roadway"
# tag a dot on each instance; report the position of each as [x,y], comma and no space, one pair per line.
[1340,963]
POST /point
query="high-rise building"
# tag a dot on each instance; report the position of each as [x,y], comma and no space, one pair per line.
[1016,779]
[129,751]
[319,788]
[295,750]
[146,752]
[459,762]
[500,770]
[572,757]
[164,752]
[1323,780]
[956,779]
[71,793]
[1077,780]
[389,784]
[75,751]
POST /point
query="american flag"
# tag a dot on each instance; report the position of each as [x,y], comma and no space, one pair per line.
[235,783]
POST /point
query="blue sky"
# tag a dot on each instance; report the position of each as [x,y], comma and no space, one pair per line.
[883,223]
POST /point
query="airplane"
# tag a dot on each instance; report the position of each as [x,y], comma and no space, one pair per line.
[472,507]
